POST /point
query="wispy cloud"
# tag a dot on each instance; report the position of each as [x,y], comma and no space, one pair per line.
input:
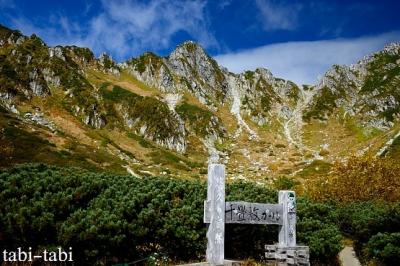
[151,25]
[224,3]
[58,30]
[124,27]
[278,15]
[304,62]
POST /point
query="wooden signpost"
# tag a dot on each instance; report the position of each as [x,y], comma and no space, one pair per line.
[217,212]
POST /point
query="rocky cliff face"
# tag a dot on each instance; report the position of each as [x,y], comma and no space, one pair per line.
[368,90]
[189,69]
[364,95]
[30,68]
[152,70]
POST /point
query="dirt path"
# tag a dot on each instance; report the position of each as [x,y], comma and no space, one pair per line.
[134,88]
[347,257]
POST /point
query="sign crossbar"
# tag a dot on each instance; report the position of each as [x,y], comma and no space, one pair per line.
[217,213]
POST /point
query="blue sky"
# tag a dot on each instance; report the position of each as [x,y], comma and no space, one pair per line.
[297,40]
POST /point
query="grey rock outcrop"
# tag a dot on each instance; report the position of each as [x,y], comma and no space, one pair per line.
[6,100]
[108,64]
[94,118]
[56,52]
[369,88]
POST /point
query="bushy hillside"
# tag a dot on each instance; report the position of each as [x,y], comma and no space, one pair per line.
[108,218]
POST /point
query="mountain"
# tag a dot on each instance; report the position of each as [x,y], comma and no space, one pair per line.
[171,115]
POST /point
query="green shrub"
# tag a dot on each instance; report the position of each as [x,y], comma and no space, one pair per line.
[110,218]
[317,228]
[198,119]
[384,247]
[285,183]
[361,221]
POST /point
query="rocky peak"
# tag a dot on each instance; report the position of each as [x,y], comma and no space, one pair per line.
[5,32]
[152,70]
[56,51]
[189,50]
[10,36]
[190,59]
[80,54]
[105,60]
[38,41]
[264,73]
[203,75]
[108,64]
[339,78]
[392,48]
[368,89]
[146,60]
[188,67]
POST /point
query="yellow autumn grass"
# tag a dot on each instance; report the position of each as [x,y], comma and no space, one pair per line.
[359,179]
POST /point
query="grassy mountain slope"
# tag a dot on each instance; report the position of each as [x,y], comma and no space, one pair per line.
[171,115]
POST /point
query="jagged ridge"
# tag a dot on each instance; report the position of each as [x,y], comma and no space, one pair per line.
[186,99]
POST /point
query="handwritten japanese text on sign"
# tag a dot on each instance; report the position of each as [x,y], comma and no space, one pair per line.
[249,213]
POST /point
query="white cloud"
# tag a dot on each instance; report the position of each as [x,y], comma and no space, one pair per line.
[278,16]
[125,28]
[304,62]
[58,31]
[224,3]
[149,25]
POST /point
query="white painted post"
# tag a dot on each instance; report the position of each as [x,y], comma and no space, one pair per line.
[287,231]
[216,201]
